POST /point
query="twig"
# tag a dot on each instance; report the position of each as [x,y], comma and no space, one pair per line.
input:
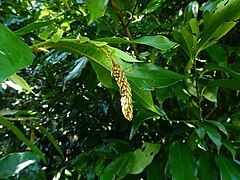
[125,27]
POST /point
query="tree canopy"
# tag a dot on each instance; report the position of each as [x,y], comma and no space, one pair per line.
[119,89]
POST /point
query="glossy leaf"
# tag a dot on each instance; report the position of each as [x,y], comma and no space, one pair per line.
[182,162]
[21,136]
[159,42]
[218,22]
[96,9]
[14,54]
[141,116]
[214,67]
[206,166]
[119,167]
[15,162]
[77,70]
[214,135]
[228,144]
[219,126]
[21,82]
[210,93]
[228,169]
[143,157]
[150,76]
[152,6]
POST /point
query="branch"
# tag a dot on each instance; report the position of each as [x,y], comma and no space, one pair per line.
[125,27]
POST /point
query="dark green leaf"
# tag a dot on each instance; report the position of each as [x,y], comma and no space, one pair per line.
[218,22]
[152,6]
[15,162]
[219,126]
[206,166]
[210,93]
[214,135]
[162,94]
[228,169]
[143,157]
[226,83]
[141,116]
[155,171]
[218,54]
[21,136]
[159,42]
[150,76]
[182,162]
[96,9]
[14,54]
[228,144]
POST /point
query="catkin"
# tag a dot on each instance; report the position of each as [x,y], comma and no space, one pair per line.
[125,91]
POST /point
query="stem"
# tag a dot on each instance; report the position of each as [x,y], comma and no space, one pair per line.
[197,89]
[125,27]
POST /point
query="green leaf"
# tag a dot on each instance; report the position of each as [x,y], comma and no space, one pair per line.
[49,136]
[155,171]
[150,76]
[159,42]
[119,167]
[182,162]
[226,83]
[15,162]
[162,94]
[32,27]
[228,169]
[21,82]
[79,65]
[206,166]
[116,40]
[21,136]
[141,116]
[214,67]
[143,157]
[191,11]
[218,22]
[96,9]
[228,144]
[152,6]
[14,54]
[210,93]
[214,135]
[56,37]
[217,53]
[219,126]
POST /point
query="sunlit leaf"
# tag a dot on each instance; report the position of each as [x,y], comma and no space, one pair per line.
[15,162]
[14,54]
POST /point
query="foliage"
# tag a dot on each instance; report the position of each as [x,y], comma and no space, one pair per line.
[180,58]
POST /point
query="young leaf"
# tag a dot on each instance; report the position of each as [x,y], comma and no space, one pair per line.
[96,9]
[228,169]
[206,166]
[15,162]
[182,162]
[143,157]
[14,54]
[21,82]
[214,135]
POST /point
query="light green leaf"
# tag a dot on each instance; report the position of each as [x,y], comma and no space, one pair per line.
[21,82]
[14,54]
[21,136]
[214,135]
[159,42]
[228,169]
[96,9]
[182,162]
[206,166]
[15,162]
[56,37]
[150,76]
[141,116]
[152,6]
[143,157]
[218,22]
